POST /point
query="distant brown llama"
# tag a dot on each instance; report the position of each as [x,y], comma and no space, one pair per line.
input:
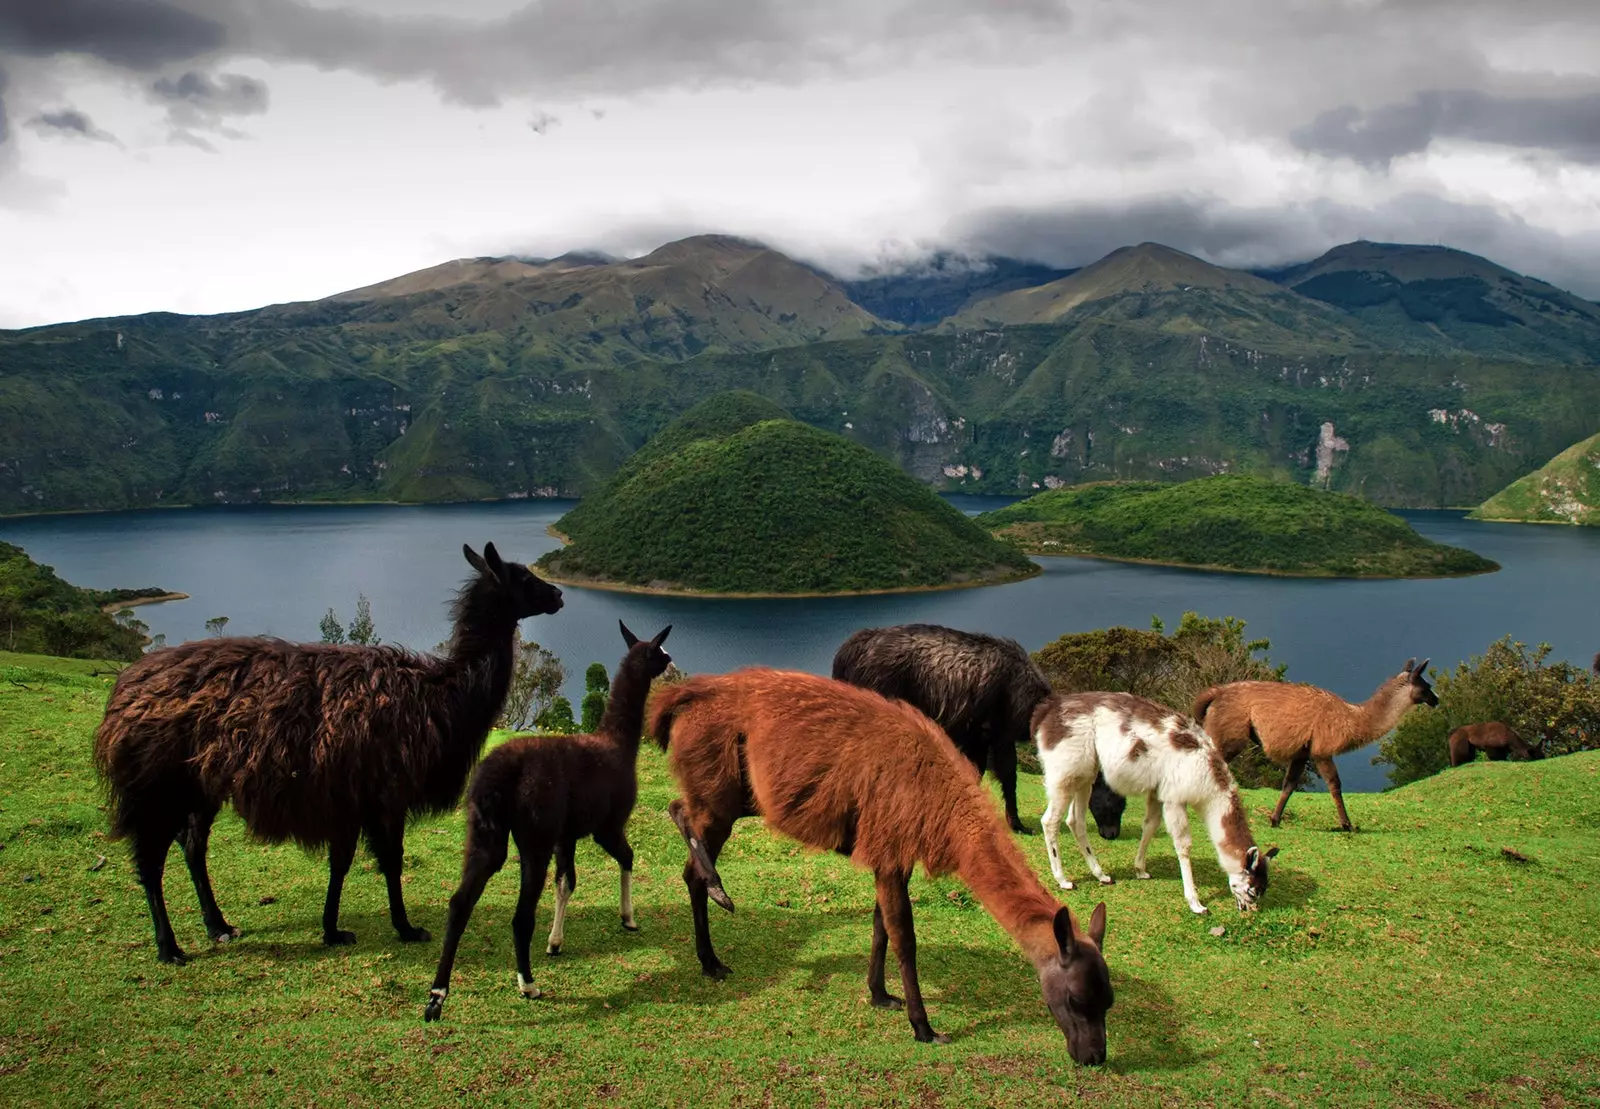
[1299,723]
[548,792]
[847,770]
[311,742]
[1496,740]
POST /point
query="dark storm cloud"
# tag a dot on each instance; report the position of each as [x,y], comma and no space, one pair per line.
[200,100]
[1075,235]
[135,34]
[1568,126]
[70,121]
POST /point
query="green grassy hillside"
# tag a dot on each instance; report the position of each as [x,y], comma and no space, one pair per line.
[41,612]
[1412,964]
[1566,490]
[729,501]
[1231,522]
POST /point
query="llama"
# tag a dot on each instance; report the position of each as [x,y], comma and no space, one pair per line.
[1299,723]
[1143,747]
[1494,739]
[316,743]
[847,770]
[548,792]
[980,689]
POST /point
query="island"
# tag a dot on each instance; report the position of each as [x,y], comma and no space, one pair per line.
[1565,490]
[735,499]
[1232,522]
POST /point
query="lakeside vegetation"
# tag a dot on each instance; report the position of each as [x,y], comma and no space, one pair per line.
[1565,490]
[730,501]
[41,612]
[1230,522]
[1478,984]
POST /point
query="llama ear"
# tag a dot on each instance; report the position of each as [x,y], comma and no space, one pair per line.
[1097,926]
[474,560]
[1066,932]
[661,636]
[1411,664]
[492,557]
[1272,852]
[1417,674]
[627,636]
[1251,856]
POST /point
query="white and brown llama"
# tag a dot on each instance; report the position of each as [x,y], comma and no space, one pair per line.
[1144,748]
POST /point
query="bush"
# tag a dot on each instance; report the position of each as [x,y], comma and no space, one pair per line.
[1172,670]
[537,676]
[596,687]
[1557,704]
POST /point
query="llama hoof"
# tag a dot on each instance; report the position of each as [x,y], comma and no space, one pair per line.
[1346,828]
[1022,829]
[415,935]
[716,972]
[629,926]
[888,1001]
[720,896]
[929,1036]
[433,1011]
[1198,909]
[1274,820]
[226,934]
[553,950]
[1143,875]
[527,989]
[1107,880]
[338,938]
[172,955]
[1064,884]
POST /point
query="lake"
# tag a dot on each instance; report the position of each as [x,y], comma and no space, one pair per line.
[276,570]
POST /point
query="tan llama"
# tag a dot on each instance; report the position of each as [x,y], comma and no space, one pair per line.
[1299,723]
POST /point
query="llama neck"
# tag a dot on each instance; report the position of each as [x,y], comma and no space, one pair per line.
[623,721]
[999,876]
[478,668]
[1229,831]
[1378,714]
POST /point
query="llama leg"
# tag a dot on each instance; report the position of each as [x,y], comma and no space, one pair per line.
[566,882]
[1078,822]
[704,846]
[1330,774]
[535,862]
[615,843]
[1051,824]
[894,899]
[486,854]
[1003,761]
[341,850]
[150,846]
[701,857]
[194,839]
[1178,828]
[1291,779]
[1461,751]
[1152,821]
[387,844]
[881,997]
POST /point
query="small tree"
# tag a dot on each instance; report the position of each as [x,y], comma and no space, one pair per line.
[537,676]
[596,686]
[157,641]
[332,630]
[215,625]
[361,629]
[556,718]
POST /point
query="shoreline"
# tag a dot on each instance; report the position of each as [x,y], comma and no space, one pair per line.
[1212,569]
[135,602]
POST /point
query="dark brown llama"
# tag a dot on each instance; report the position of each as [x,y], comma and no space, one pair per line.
[982,690]
[548,792]
[1494,739]
[315,743]
[847,770]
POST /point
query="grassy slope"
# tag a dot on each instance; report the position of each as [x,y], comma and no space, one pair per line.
[1232,522]
[1566,490]
[1409,964]
[41,612]
[776,506]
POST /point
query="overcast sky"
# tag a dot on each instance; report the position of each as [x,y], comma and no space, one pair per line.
[209,155]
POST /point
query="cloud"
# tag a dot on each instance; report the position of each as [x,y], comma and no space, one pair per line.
[1569,126]
[542,122]
[1232,235]
[134,34]
[199,100]
[71,122]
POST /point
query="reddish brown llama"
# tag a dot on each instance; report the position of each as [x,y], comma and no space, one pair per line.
[548,792]
[316,743]
[1494,739]
[847,770]
[1299,723]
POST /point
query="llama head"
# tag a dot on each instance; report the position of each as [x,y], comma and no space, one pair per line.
[1106,805]
[655,660]
[527,594]
[1416,684]
[1249,886]
[1077,986]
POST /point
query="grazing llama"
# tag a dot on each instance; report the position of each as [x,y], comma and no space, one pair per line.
[981,690]
[1494,739]
[1144,748]
[1299,723]
[844,769]
[316,743]
[548,792]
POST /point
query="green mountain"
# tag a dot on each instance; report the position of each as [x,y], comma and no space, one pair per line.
[727,501]
[41,613]
[1565,490]
[1230,523]
[496,378]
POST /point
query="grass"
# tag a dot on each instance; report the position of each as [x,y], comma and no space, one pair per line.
[1412,963]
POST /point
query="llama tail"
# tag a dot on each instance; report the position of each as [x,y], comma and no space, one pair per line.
[666,706]
[1202,703]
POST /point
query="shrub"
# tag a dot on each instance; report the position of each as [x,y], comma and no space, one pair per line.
[537,676]
[596,687]
[1556,703]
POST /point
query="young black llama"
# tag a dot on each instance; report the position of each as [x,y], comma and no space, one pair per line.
[316,743]
[548,792]
[980,689]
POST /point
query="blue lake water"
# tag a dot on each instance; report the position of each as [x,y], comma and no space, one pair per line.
[276,570]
